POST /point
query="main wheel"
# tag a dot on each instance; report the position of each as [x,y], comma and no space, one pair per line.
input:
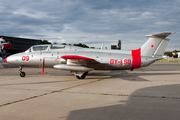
[83,76]
[80,77]
[22,74]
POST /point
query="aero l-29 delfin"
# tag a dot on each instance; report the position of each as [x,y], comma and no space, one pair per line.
[82,60]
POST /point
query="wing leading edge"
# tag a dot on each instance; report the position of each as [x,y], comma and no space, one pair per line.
[76,57]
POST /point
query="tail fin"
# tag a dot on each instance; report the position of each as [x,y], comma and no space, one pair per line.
[156,45]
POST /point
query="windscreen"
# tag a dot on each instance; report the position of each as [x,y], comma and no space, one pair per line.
[39,48]
[53,47]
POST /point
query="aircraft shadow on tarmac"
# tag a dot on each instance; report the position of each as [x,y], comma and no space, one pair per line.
[136,76]
[130,76]
[161,67]
[96,76]
[152,103]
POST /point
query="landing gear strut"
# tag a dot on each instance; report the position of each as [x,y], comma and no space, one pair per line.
[22,74]
[80,75]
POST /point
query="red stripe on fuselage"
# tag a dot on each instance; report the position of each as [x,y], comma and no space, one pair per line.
[136,59]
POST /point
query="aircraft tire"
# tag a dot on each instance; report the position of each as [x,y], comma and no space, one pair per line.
[22,74]
[79,77]
[83,76]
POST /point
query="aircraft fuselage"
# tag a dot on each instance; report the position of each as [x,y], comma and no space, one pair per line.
[109,59]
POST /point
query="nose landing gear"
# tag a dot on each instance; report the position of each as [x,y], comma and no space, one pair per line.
[22,74]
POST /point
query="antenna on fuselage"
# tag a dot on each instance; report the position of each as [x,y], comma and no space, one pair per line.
[102,46]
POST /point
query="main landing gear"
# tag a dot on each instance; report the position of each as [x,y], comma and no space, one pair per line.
[80,75]
[22,74]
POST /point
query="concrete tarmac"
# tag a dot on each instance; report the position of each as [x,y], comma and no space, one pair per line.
[151,93]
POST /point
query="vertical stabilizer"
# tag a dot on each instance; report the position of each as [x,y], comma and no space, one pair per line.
[155,45]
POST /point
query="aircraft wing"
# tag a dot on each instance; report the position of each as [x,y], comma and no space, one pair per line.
[78,60]
[76,63]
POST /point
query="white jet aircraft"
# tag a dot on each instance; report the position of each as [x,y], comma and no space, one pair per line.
[4,45]
[82,60]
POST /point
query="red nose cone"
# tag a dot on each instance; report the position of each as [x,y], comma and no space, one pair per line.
[6,46]
[5,60]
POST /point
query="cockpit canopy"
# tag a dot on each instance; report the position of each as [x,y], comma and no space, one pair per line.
[39,48]
[46,47]
[2,41]
[54,47]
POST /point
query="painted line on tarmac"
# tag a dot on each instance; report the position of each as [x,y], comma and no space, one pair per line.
[125,95]
[33,97]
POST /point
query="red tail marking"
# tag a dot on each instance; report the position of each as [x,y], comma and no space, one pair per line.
[152,45]
[136,59]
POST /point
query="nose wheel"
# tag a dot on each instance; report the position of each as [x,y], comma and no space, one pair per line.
[22,74]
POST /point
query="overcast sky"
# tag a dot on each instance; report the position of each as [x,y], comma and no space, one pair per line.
[91,22]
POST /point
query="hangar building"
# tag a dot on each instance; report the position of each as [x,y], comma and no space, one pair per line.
[20,44]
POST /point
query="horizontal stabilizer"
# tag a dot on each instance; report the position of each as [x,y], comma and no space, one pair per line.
[162,35]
